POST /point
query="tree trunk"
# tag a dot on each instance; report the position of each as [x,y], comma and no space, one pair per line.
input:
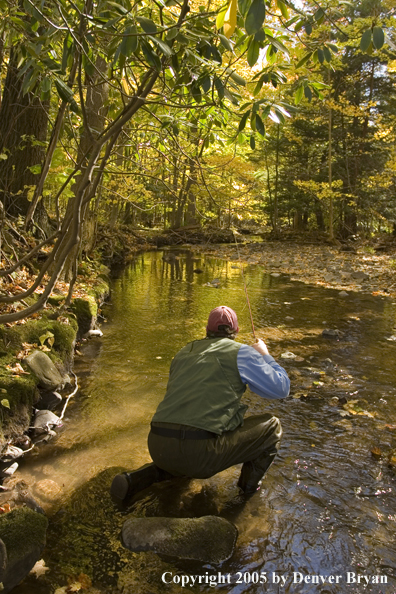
[23,131]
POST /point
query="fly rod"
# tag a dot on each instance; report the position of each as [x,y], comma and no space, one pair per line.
[244,286]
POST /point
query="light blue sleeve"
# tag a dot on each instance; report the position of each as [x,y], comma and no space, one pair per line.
[262,373]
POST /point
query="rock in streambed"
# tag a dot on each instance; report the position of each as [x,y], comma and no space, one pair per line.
[208,539]
[22,534]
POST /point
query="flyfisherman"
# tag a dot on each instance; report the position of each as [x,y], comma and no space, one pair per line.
[198,429]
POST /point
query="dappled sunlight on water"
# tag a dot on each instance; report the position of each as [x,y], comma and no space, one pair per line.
[327,506]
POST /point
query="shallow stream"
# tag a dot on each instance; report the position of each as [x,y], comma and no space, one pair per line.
[327,506]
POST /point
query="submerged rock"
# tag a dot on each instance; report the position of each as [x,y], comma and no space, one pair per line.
[209,539]
[7,469]
[44,421]
[93,332]
[23,533]
[45,371]
[288,355]
[47,489]
[330,333]
[48,400]
[360,276]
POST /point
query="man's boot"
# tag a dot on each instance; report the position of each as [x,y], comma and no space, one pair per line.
[127,484]
[251,474]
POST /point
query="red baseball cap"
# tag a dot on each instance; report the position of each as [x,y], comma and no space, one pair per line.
[222,316]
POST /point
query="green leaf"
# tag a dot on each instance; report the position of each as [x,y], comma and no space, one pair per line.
[236,78]
[5,403]
[230,96]
[255,17]
[378,37]
[118,7]
[298,26]
[253,52]
[52,65]
[304,60]
[259,125]
[243,6]
[217,57]
[35,169]
[258,87]
[279,108]
[219,87]
[29,81]
[283,8]
[292,21]
[308,28]
[129,43]
[46,85]
[89,67]
[220,17]
[260,35]
[280,115]
[44,337]
[164,47]
[252,143]
[147,25]
[226,43]
[299,95]
[365,40]
[333,47]
[274,117]
[243,121]
[150,55]
[64,92]
[319,16]
[279,46]
[320,55]
[206,83]
[308,93]
[172,33]
[327,54]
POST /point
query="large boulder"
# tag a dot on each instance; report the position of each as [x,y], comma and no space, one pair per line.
[45,371]
[23,532]
[209,539]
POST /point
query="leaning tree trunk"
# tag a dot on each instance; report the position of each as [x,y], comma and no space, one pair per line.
[94,124]
[23,130]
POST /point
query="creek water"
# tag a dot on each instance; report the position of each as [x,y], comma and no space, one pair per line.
[327,506]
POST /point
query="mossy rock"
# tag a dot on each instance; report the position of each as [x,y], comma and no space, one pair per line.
[56,300]
[19,392]
[85,311]
[23,532]
[64,335]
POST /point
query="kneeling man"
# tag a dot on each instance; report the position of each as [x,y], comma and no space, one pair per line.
[198,429]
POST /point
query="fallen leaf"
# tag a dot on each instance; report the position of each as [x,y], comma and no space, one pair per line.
[85,581]
[40,568]
[376,453]
[17,369]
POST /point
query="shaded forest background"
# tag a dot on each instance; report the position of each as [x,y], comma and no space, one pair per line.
[165,114]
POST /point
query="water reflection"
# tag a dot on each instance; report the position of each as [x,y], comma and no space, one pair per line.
[327,506]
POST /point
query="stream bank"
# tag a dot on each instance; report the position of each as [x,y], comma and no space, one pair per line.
[35,386]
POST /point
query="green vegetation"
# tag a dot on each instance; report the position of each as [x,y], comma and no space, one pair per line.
[166,114]
[22,526]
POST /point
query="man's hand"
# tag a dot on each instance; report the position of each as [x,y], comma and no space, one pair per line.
[260,347]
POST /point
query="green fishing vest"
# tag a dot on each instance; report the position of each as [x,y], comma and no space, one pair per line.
[204,388]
